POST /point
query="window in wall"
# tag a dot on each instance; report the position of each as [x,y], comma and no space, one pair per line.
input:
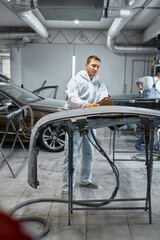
[6,66]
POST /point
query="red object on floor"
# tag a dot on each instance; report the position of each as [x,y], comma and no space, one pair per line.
[11,229]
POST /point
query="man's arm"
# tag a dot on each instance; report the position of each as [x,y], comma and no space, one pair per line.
[75,102]
[139,86]
[73,98]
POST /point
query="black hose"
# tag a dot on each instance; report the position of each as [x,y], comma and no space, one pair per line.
[113,166]
[34,218]
[84,203]
[38,219]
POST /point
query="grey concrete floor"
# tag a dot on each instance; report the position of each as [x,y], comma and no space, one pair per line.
[86,224]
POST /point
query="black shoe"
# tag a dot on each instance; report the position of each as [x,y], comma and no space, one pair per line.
[64,194]
[89,185]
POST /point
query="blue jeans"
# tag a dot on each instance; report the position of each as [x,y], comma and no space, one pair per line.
[86,161]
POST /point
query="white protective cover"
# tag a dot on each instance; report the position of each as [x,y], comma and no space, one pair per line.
[158,85]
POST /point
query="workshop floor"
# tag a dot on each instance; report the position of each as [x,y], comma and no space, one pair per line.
[87,224]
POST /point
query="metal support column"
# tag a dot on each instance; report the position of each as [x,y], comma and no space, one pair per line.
[70,174]
[149,140]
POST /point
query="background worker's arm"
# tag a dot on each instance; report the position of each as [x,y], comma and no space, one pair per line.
[140,89]
[139,86]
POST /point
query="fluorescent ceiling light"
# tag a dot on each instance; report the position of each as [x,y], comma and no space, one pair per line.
[76,22]
[73,65]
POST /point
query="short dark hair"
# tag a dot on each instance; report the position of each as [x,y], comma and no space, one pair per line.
[93,57]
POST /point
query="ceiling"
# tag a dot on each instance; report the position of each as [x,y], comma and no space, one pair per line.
[25,20]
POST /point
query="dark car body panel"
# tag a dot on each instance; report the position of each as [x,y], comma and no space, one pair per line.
[4,78]
[19,97]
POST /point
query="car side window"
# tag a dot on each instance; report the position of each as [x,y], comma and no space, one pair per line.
[3,79]
[8,102]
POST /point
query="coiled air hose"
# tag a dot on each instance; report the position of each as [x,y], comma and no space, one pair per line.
[83,203]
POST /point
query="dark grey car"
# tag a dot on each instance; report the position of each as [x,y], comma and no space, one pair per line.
[4,78]
[17,97]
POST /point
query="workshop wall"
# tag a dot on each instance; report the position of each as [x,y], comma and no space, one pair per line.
[53,62]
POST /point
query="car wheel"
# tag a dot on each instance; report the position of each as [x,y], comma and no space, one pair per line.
[50,141]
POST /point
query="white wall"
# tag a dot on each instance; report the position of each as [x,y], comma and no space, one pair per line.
[46,62]
[111,70]
[16,65]
[118,72]
[53,62]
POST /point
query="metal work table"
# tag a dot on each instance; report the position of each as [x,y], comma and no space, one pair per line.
[134,100]
[90,118]
[20,114]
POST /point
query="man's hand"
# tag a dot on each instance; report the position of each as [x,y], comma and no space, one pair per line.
[141,93]
[92,105]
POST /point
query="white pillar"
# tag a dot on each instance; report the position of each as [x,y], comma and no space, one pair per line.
[16,65]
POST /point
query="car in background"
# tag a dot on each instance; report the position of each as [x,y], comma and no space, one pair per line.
[16,97]
[4,78]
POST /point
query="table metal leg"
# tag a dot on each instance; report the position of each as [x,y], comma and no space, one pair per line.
[70,175]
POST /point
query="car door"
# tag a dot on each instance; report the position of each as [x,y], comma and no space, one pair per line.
[7,106]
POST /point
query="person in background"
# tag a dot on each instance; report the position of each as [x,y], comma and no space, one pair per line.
[150,88]
[83,91]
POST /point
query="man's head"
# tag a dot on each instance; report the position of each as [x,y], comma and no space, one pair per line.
[92,65]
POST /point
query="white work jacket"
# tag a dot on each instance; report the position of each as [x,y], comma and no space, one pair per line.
[81,90]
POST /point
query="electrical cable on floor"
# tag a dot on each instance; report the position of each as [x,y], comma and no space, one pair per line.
[77,202]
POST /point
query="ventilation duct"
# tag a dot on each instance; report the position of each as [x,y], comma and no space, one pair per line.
[26,4]
[12,42]
[16,35]
[83,10]
[117,13]
[117,26]
[24,10]
[4,51]
[34,23]
[152,31]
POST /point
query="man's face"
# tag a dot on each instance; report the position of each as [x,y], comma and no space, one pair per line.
[92,68]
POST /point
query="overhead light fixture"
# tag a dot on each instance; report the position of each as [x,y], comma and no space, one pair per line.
[73,65]
[76,22]
[125,13]
[130,2]
[5,1]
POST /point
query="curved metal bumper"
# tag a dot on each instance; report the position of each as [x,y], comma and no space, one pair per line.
[88,118]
